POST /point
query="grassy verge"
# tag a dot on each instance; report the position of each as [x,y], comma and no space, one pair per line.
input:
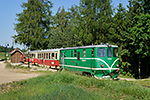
[25,69]
[8,65]
[2,55]
[69,86]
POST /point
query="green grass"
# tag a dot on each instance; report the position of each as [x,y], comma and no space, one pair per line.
[2,55]
[69,86]
[8,65]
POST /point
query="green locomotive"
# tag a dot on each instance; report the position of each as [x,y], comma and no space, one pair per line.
[99,60]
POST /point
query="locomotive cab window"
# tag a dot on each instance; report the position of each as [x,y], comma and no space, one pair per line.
[101,52]
[109,53]
[115,52]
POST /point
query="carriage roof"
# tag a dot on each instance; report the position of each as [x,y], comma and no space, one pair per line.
[47,50]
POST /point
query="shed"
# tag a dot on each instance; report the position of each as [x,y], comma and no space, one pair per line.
[15,56]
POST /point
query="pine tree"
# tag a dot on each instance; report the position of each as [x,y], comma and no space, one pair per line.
[33,24]
[62,35]
[135,37]
[94,21]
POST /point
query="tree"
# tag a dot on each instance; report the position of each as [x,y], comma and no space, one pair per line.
[62,35]
[133,37]
[94,21]
[146,5]
[33,24]
[116,36]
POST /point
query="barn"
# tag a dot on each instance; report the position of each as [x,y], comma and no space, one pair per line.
[15,56]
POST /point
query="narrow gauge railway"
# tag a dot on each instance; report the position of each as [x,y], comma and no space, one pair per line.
[99,60]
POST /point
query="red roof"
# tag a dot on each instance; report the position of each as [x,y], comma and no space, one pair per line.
[15,51]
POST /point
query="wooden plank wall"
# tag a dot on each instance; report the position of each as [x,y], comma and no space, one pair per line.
[15,58]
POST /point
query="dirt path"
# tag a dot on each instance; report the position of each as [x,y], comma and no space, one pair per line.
[127,79]
[8,75]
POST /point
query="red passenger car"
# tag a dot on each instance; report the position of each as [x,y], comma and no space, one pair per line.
[48,58]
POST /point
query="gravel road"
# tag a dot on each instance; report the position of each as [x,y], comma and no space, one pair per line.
[8,75]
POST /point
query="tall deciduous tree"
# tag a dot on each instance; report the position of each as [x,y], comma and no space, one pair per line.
[33,24]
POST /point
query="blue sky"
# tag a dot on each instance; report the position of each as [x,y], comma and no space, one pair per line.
[8,9]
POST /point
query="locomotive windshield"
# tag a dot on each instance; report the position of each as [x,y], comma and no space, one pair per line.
[109,54]
[101,52]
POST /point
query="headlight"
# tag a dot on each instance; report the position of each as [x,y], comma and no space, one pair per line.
[117,65]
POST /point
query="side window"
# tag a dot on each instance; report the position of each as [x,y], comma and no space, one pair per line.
[52,55]
[71,53]
[101,52]
[115,52]
[74,53]
[92,52]
[84,53]
[46,55]
[56,56]
[42,55]
[78,56]
[109,53]
[49,55]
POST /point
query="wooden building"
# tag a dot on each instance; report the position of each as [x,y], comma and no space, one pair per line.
[16,56]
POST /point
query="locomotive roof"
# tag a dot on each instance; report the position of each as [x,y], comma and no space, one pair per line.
[90,46]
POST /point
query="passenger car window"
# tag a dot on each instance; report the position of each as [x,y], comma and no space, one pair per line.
[101,52]
[115,52]
[109,54]
[49,55]
[56,56]
[52,55]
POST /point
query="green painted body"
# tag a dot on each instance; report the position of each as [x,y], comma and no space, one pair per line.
[86,59]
